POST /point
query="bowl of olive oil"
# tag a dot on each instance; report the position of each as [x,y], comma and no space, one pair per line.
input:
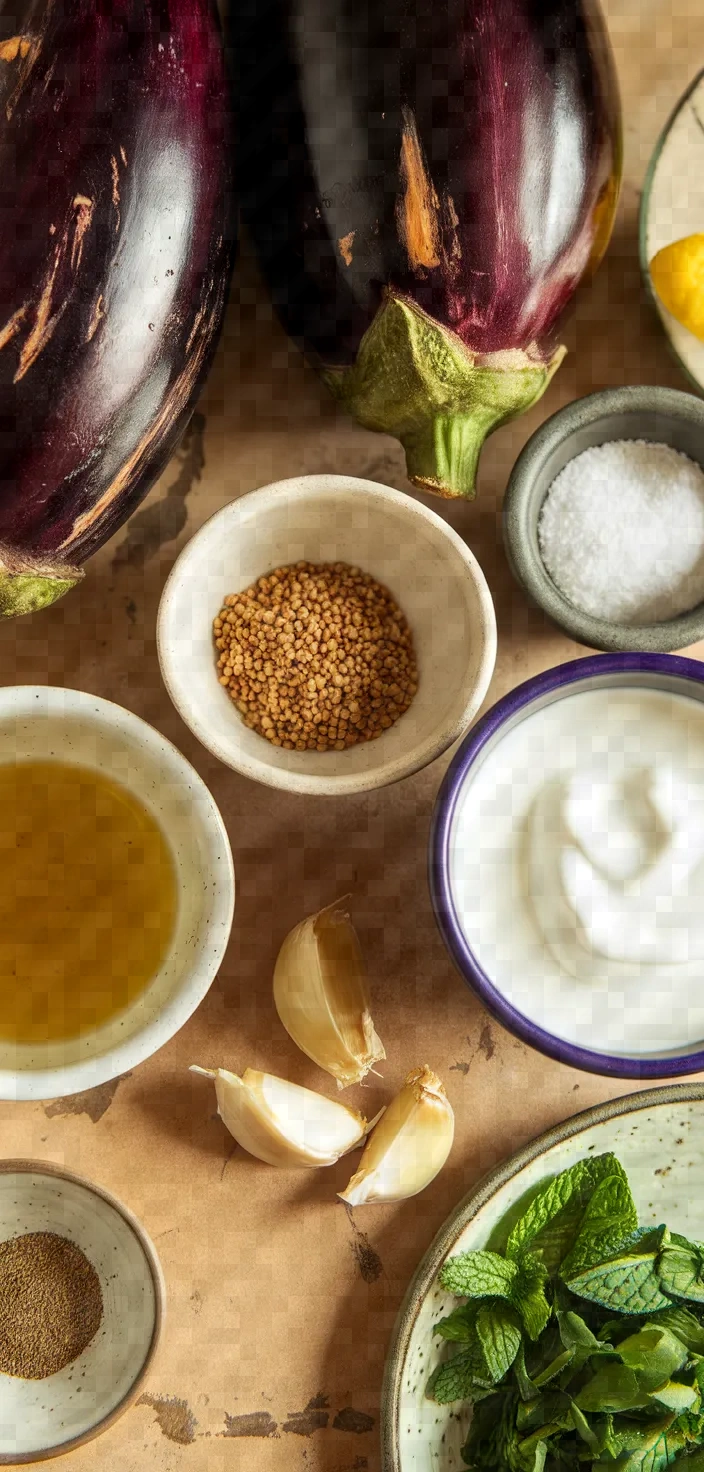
[116,891]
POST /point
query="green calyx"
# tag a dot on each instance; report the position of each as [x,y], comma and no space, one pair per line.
[25,588]
[416,380]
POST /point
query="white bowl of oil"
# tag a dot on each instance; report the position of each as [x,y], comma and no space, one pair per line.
[116,891]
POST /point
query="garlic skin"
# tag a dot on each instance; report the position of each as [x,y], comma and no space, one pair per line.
[408,1147]
[322,997]
[284,1124]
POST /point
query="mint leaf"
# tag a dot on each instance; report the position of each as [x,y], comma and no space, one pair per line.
[495,1338]
[575,1334]
[691,1424]
[646,1239]
[535,1312]
[609,1219]
[472,1374]
[583,1429]
[531,1455]
[675,1396]
[628,1284]
[479,1275]
[479,1450]
[679,1272]
[528,1295]
[555,1368]
[550,1223]
[521,1453]
[655,1350]
[551,1409]
[679,1241]
[493,1440]
[656,1353]
[614,1330]
[649,1447]
[613,1388]
[459,1325]
[499,1337]
[531,1414]
[606,1435]
[526,1386]
[459,1378]
[682,1323]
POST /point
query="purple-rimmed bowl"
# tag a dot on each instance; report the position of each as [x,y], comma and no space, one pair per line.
[665,672]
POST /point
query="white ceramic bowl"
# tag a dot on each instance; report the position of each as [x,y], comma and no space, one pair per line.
[43,1418]
[658,1136]
[333,518]
[672,207]
[42,723]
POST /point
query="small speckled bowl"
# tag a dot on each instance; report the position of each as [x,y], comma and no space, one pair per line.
[659,1138]
[672,207]
[431,573]
[657,414]
[44,1418]
[42,723]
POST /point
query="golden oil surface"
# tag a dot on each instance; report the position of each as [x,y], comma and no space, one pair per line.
[88,900]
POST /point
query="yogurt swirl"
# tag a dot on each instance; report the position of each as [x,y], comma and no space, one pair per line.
[616,871]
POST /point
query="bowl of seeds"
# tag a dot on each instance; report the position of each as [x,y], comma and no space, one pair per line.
[327,635]
[82,1301]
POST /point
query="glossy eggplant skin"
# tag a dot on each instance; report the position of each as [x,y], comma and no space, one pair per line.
[457,159]
[115,256]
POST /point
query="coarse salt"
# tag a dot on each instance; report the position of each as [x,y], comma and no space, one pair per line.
[621,532]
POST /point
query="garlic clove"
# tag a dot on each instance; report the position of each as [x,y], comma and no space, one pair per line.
[408,1147]
[284,1124]
[322,998]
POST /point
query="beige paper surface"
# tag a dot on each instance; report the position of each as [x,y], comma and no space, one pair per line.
[280,1302]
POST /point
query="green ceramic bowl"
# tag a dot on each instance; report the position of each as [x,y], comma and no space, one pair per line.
[662,415]
[658,1136]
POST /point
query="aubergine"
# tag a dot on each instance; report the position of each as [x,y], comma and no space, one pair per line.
[426,182]
[115,255]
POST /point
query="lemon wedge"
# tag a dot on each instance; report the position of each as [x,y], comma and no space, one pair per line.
[677,274]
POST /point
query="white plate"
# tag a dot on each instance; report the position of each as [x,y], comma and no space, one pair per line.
[657,1135]
[672,207]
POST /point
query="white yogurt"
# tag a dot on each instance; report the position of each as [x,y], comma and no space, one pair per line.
[577,869]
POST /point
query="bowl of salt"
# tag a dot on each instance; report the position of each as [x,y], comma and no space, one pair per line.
[604,519]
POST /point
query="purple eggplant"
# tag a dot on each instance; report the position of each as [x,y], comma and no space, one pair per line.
[426,183]
[115,257]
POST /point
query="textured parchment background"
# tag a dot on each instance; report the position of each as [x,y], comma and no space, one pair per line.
[281,1305]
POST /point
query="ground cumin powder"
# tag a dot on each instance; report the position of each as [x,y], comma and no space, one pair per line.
[50,1304]
[316,656]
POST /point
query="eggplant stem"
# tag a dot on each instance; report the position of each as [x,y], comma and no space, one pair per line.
[443,455]
[416,379]
[25,589]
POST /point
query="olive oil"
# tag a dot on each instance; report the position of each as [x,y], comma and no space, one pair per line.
[88,900]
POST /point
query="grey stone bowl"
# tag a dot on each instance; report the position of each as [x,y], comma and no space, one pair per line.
[662,415]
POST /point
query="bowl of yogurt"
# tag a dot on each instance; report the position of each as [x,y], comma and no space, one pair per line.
[567,863]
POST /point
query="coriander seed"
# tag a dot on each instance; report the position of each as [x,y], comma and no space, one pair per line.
[316,656]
